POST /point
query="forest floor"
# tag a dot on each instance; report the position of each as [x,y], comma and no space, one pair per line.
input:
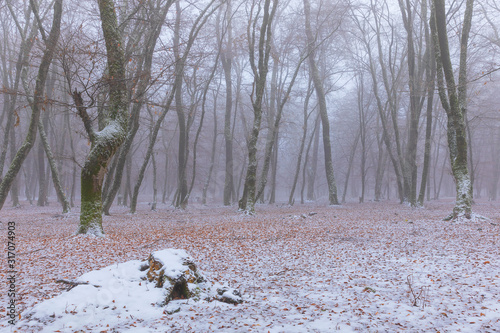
[373,267]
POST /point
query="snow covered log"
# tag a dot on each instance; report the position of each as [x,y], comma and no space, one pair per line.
[175,271]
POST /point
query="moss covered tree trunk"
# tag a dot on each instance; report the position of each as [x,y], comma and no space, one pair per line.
[106,142]
[260,70]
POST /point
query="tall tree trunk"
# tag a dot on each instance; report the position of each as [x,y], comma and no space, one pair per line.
[362,134]
[248,200]
[274,168]
[414,82]
[227,60]
[164,197]
[14,191]
[272,128]
[155,186]
[182,189]
[15,166]
[127,184]
[305,169]
[379,173]
[349,165]
[106,142]
[493,190]
[430,82]
[454,103]
[212,157]
[291,199]
[53,168]
[311,172]
[320,93]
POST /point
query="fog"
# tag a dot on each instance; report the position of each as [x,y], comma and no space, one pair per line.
[194,138]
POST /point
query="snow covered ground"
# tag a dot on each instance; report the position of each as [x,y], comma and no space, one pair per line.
[305,268]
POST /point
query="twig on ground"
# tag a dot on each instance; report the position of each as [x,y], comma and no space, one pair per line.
[72,284]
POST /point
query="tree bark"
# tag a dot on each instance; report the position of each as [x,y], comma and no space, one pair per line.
[454,101]
[106,142]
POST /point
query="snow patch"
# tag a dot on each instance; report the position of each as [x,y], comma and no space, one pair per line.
[120,296]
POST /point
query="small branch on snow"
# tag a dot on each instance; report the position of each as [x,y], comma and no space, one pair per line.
[73,283]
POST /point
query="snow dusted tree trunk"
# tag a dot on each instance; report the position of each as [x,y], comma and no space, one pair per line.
[106,142]
[260,70]
[453,99]
[320,93]
[50,46]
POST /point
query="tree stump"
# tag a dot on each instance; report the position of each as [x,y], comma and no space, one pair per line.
[175,271]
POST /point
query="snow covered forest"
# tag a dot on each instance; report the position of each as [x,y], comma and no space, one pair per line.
[327,165]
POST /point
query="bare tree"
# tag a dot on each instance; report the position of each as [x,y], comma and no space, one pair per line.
[320,93]
[260,70]
[454,102]
[38,99]
[106,142]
